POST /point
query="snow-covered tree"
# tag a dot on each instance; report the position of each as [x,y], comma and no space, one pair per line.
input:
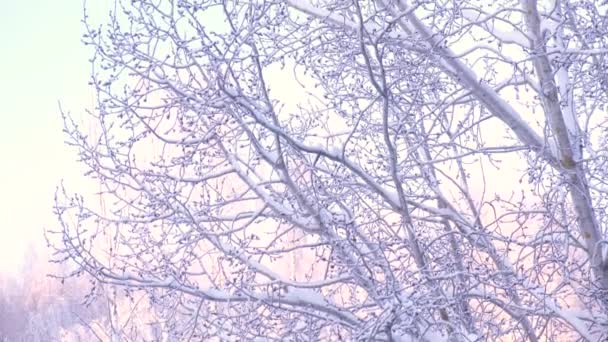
[382,170]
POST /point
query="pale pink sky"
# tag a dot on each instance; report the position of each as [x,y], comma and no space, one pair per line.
[42,62]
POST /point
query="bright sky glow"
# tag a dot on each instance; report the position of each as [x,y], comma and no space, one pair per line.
[42,62]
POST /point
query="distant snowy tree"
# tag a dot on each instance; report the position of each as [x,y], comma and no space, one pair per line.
[35,307]
[382,170]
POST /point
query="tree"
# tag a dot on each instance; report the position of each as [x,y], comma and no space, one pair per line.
[383,170]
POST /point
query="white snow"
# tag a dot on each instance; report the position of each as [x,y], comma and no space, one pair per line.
[506,37]
[305,295]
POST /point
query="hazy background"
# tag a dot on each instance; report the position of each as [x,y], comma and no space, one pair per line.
[42,63]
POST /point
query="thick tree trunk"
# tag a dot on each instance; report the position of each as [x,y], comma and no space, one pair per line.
[566,138]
